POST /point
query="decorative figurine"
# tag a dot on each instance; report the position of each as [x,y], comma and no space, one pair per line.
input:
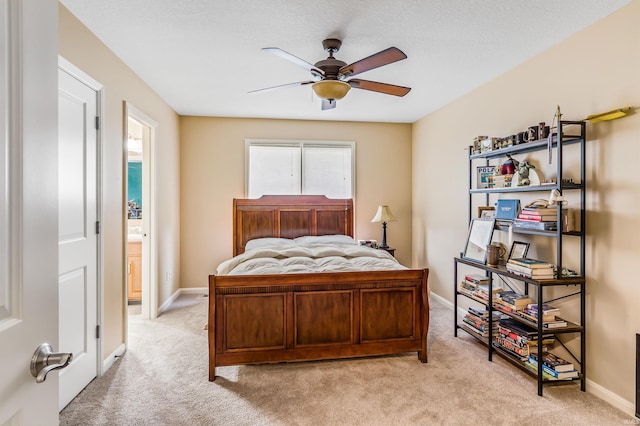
[523,173]
[509,166]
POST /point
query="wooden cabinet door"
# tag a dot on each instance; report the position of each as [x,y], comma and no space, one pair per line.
[135,271]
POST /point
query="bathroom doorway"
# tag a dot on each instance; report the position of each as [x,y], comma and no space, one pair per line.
[141,282]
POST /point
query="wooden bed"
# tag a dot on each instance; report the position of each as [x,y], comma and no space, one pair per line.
[295,317]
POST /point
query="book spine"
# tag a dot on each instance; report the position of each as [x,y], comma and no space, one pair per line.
[539,210]
[530,224]
[530,263]
[536,218]
[551,371]
[537,277]
[526,269]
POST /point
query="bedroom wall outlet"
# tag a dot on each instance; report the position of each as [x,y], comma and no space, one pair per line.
[168,276]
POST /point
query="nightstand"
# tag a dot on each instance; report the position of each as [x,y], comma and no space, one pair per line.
[389,250]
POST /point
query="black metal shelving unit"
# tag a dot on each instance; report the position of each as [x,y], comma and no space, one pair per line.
[536,288]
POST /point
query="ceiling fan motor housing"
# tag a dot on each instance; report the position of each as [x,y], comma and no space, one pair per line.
[331,68]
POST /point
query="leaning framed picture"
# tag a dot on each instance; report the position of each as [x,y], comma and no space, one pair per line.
[480,234]
[518,250]
[486,212]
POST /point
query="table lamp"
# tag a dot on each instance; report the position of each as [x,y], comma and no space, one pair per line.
[384,215]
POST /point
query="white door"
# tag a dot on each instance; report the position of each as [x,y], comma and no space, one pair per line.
[28,207]
[77,183]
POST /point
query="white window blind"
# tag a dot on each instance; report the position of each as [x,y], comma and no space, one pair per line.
[274,170]
[295,168]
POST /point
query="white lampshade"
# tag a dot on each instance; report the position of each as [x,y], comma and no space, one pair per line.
[383,215]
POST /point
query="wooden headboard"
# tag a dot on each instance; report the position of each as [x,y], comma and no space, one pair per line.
[289,216]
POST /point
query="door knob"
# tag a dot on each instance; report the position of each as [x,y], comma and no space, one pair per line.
[45,360]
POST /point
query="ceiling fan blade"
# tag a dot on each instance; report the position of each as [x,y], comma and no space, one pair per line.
[374,86]
[328,104]
[294,59]
[385,57]
[299,83]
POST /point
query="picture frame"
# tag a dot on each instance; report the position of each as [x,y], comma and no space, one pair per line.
[518,250]
[486,212]
[479,237]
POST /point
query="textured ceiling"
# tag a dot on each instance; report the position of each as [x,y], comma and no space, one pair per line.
[203,56]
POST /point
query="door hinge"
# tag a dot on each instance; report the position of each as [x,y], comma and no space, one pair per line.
[97,123]
[97,331]
[98,227]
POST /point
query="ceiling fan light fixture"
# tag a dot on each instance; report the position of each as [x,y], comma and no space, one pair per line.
[331,89]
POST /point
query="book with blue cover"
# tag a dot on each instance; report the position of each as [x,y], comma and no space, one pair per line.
[507,209]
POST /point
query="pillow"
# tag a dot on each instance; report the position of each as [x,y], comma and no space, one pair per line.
[264,242]
[325,239]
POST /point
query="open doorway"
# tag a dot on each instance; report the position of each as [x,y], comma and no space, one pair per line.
[136,135]
[141,283]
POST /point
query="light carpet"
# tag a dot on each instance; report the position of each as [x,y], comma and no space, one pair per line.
[162,380]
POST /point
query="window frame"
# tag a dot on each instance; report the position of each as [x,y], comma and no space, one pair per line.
[299,143]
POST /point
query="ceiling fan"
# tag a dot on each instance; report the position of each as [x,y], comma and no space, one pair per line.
[332,77]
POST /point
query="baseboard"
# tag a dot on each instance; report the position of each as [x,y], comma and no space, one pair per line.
[441,299]
[610,397]
[113,357]
[177,293]
[447,303]
[168,302]
[193,290]
[592,387]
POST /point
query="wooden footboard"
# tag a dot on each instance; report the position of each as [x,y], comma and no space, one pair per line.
[296,317]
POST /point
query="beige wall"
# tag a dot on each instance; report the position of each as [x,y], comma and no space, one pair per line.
[78,45]
[594,71]
[213,173]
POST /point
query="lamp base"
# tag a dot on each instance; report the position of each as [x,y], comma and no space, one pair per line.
[384,245]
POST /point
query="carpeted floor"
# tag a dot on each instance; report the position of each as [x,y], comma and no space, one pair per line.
[162,380]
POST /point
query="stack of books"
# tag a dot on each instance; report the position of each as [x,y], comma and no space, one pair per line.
[538,218]
[511,302]
[519,340]
[477,321]
[471,284]
[550,315]
[531,268]
[499,181]
[553,367]
[483,292]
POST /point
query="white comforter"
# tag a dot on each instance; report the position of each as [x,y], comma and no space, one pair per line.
[309,258]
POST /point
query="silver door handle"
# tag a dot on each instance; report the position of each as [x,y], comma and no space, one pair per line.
[45,360]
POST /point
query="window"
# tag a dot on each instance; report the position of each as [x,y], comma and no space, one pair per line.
[300,168]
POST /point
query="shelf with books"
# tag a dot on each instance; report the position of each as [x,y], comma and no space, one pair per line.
[539,232]
[533,372]
[537,220]
[575,280]
[482,339]
[469,295]
[570,327]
